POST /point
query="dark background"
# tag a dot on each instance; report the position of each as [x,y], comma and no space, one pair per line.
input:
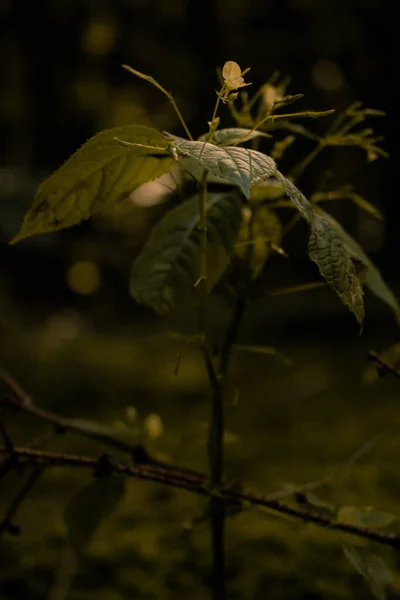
[61,81]
[93,354]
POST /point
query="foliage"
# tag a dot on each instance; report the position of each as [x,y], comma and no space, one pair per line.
[222,237]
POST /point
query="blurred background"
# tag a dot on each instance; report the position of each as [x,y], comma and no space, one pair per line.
[74,338]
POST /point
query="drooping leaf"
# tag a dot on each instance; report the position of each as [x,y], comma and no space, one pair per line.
[90,506]
[100,173]
[165,273]
[365,516]
[341,268]
[233,135]
[337,265]
[372,567]
[373,279]
[239,166]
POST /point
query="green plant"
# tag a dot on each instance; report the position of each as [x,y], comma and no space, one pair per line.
[220,237]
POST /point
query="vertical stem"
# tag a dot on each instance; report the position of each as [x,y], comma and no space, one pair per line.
[215,440]
[216,455]
[217,507]
[231,336]
[301,166]
[202,281]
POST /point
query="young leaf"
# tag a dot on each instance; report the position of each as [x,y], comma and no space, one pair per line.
[239,166]
[373,278]
[233,135]
[90,506]
[372,567]
[263,230]
[165,273]
[270,189]
[101,172]
[365,516]
[342,270]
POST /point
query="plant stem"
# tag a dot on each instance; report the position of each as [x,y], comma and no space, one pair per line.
[199,485]
[165,92]
[5,524]
[215,439]
[231,336]
[202,280]
[301,166]
[216,455]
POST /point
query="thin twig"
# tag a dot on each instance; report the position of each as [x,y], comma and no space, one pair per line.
[201,485]
[386,367]
[164,91]
[20,400]
[6,523]
[6,439]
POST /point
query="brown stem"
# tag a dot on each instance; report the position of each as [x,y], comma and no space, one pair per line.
[20,400]
[386,367]
[200,484]
[6,523]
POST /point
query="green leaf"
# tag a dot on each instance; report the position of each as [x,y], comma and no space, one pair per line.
[365,516]
[90,506]
[165,273]
[346,192]
[100,173]
[341,268]
[233,135]
[269,190]
[373,278]
[372,567]
[263,230]
[337,265]
[239,166]
[366,206]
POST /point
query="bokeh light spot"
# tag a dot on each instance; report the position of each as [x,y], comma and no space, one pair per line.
[83,277]
[327,76]
[99,37]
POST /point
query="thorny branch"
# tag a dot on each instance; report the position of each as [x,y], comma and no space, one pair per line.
[18,399]
[165,474]
[384,367]
[200,484]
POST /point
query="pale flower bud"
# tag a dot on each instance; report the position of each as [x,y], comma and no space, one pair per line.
[232,75]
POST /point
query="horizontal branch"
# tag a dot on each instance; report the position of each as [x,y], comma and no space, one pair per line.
[198,484]
[18,399]
[384,366]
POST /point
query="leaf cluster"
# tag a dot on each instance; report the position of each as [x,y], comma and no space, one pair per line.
[240,227]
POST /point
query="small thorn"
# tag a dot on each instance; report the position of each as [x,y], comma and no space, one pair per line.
[200,279]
